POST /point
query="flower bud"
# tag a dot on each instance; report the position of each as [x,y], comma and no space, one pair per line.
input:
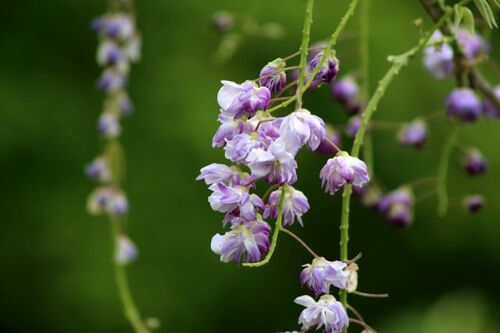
[98,170]
[352,126]
[474,163]
[272,76]
[413,134]
[108,125]
[126,251]
[328,70]
[343,169]
[463,104]
[344,90]
[473,203]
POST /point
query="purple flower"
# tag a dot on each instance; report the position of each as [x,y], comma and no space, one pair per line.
[120,26]
[269,131]
[413,134]
[108,53]
[327,312]
[272,76]
[99,200]
[399,215]
[246,211]
[277,164]
[438,59]
[238,100]
[352,126]
[402,195]
[343,169]
[475,163]
[328,70]
[99,170]
[344,90]
[126,251]
[463,104]
[472,44]
[321,274]
[473,203]
[225,198]
[295,204]
[397,207]
[308,128]
[228,129]
[216,173]
[326,147]
[111,81]
[490,110]
[108,125]
[238,148]
[245,242]
[118,205]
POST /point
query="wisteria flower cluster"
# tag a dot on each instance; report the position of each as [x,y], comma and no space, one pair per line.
[119,45]
[261,148]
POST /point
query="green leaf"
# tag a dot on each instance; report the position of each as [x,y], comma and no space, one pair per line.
[468,20]
[485,10]
[459,14]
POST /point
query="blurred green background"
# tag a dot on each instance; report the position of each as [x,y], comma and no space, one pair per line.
[443,274]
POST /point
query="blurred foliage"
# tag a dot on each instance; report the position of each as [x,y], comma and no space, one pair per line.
[55,259]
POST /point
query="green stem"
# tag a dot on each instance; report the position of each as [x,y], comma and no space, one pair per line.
[364,22]
[331,44]
[398,62]
[306,35]
[443,172]
[277,230]
[129,308]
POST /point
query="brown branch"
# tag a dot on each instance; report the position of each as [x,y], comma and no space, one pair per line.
[463,69]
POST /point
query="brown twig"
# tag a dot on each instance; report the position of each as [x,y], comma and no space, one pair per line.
[298,239]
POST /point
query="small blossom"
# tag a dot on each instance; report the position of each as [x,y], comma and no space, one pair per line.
[245,242]
[345,90]
[118,205]
[471,43]
[475,163]
[108,53]
[126,251]
[343,169]
[225,198]
[463,104]
[238,100]
[397,207]
[120,26]
[328,70]
[111,81]
[309,128]
[326,147]
[216,173]
[273,76]
[327,312]
[108,125]
[352,279]
[473,203]
[321,274]
[352,126]
[294,206]
[99,170]
[238,148]
[413,134]
[438,59]
[277,164]
[99,200]
[228,129]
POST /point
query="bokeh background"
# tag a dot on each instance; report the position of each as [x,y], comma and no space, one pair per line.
[443,274]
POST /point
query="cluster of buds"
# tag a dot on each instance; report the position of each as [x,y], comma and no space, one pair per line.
[119,45]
